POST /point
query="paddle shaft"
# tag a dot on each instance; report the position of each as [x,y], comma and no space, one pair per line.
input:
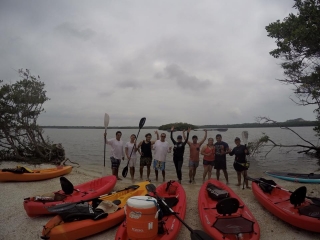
[174,213]
[134,144]
[104,154]
[257,180]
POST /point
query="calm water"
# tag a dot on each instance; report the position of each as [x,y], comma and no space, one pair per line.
[86,147]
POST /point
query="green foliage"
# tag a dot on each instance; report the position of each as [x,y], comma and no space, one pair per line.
[297,38]
[179,126]
[21,103]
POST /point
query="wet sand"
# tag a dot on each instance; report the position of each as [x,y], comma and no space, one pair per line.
[15,224]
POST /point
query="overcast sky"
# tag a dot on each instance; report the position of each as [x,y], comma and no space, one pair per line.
[201,62]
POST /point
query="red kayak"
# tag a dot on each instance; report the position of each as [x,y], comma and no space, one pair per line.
[223,214]
[38,205]
[169,226]
[293,208]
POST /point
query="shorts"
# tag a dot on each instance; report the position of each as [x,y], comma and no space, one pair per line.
[145,161]
[194,164]
[132,162]
[115,163]
[220,164]
[158,165]
[208,163]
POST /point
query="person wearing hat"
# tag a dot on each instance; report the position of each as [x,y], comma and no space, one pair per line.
[194,155]
[220,163]
[178,151]
[240,152]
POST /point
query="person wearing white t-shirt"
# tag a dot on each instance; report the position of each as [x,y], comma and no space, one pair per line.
[161,148]
[131,150]
[117,153]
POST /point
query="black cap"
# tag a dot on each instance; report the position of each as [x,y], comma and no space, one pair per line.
[179,137]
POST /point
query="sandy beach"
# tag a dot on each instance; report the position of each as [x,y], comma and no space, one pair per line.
[15,224]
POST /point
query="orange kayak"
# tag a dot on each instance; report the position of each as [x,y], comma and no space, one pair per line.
[10,175]
[82,192]
[57,229]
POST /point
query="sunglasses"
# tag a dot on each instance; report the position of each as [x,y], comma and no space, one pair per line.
[163,136]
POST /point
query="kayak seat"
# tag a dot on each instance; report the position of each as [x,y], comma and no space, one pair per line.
[298,196]
[227,206]
[66,186]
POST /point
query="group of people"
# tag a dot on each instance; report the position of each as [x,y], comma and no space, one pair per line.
[214,155]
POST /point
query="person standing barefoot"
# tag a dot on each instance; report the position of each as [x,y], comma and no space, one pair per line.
[116,152]
[194,155]
[178,151]
[222,148]
[240,152]
[161,148]
[145,147]
[208,152]
[131,149]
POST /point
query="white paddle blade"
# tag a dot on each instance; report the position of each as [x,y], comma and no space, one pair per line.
[245,136]
[106,120]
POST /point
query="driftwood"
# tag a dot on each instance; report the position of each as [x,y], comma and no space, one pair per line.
[308,148]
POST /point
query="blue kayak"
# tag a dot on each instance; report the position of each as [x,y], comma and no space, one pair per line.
[296,177]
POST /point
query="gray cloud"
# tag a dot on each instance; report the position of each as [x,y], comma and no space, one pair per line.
[200,62]
[184,80]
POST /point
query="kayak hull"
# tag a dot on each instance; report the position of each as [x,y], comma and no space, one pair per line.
[296,177]
[172,224]
[83,192]
[209,215]
[56,229]
[36,175]
[277,202]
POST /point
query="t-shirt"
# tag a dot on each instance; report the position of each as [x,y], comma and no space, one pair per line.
[219,147]
[129,145]
[240,155]
[160,150]
[116,148]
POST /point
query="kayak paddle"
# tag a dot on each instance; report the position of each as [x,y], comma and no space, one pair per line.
[106,123]
[315,200]
[194,234]
[141,123]
[245,136]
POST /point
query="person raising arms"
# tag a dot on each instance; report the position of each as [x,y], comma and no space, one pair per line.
[194,155]
[208,152]
[146,153]
[178,151]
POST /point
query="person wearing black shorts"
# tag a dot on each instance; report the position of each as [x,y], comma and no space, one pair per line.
[240,152]
[220,162]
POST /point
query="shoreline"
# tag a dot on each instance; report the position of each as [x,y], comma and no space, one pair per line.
[16,224]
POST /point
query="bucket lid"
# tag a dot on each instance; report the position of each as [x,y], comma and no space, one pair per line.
[142,202]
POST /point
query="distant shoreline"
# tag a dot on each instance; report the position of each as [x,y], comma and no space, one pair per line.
[242,125]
